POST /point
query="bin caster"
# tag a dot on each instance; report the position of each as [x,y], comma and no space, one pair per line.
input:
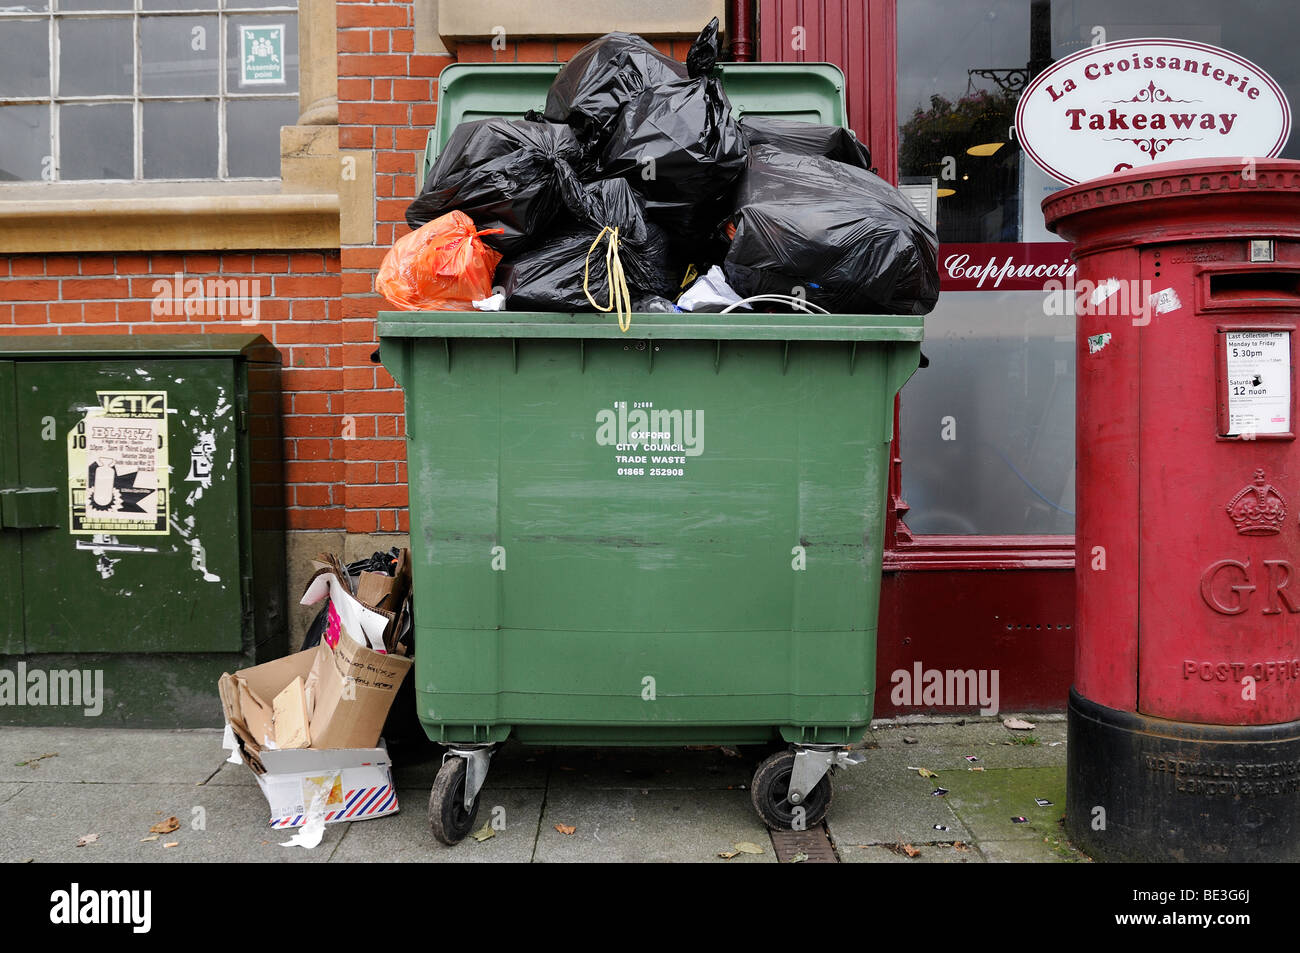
[453,800]
[792,789]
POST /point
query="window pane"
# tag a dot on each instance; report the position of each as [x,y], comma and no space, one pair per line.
[1001,381]
[253,135]
[987,430]
[284,48]
[180,140]
[239,4]
[24,58]
[24,141]
[96,57]
[178,55]
[179,5]
[94,4]
[96,142]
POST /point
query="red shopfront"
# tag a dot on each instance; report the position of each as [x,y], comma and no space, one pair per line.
[979,546]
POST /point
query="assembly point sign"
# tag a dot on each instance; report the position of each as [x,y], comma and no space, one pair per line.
[1121,105]
[261,55]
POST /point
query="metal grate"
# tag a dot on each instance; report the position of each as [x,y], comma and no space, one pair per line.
[815,843]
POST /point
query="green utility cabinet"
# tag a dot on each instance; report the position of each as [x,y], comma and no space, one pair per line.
[665,537]
[141,524]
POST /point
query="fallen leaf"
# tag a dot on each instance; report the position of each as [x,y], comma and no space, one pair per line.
[799,858]
[910,741]
[166,827]
[484,833]
[745,847]
[173,843]
[85,839]
[958,845]
[565,829]
[905,849]
[1018,724]
[727,854]
[730,752]
[34,762]
[926,773]
[145,840]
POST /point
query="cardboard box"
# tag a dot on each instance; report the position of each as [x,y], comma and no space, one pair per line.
[349,689]
[353,784]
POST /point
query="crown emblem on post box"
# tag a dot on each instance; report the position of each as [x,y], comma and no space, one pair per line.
[1258,510]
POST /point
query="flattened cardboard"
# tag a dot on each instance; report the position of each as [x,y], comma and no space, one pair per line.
[355,687]
[291,717]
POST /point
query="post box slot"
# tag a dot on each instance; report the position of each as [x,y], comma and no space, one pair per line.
[1263,288]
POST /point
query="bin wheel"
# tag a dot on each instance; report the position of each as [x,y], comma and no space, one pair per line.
[770,795]
[448,819]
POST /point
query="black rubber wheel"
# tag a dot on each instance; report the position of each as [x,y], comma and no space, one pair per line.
[448,819]
[770,795]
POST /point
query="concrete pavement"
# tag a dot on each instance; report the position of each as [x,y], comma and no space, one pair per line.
[624,804]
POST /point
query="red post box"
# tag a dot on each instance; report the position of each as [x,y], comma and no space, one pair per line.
[1184,718]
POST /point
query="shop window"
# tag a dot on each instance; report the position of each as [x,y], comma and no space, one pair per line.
[987,430]
[140,90]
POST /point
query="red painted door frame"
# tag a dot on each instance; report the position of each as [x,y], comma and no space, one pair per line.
[1002,603]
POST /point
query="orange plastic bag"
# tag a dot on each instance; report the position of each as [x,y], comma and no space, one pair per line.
[441,266]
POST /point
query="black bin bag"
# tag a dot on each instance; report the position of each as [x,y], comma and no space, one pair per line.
[605,75]
[502,173]
[806,139]
[677,144]
[851,241]
[549,277]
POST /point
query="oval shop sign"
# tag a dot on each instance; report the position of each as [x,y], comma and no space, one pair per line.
[1120,105]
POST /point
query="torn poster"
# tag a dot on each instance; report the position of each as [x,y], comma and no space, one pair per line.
[117,466]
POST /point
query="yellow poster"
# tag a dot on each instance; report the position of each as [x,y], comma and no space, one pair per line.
[117,466]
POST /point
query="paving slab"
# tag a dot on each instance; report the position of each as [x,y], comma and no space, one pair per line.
[110,755]
[987,801]
[405,838]
[977,733]
[927,854]
[946,758]
[650,768]
[637,826]
[880,802]
[44,821]
[1021,851]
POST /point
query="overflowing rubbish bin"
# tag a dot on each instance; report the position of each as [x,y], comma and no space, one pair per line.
[660,530]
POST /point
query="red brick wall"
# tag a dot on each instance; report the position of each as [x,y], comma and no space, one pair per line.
[297,310]
[345,456]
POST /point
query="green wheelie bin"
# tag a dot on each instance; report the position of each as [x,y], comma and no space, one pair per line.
[668,536]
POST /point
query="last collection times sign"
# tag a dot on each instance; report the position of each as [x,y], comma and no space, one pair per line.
[1258,378]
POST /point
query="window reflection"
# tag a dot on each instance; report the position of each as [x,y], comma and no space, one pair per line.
[1002,370]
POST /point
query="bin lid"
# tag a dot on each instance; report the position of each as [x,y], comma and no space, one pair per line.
[810,92]
[897,328]
[253,347]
